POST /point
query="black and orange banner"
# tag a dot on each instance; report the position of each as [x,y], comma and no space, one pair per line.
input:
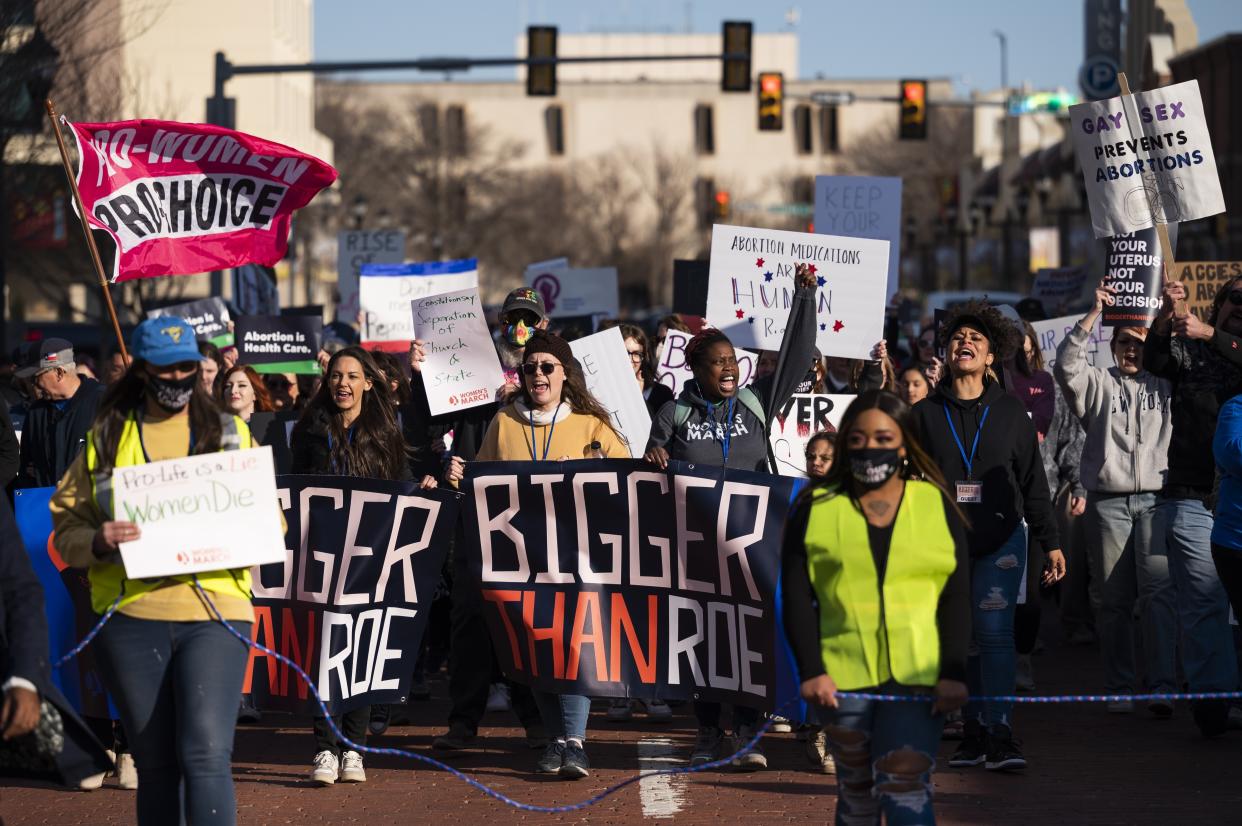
[350,602]
[612,578]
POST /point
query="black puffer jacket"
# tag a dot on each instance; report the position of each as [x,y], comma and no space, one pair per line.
[312,452]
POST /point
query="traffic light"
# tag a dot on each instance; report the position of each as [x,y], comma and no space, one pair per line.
[541,79]
[736,41]
[771,101]
[722,205]
[913,124]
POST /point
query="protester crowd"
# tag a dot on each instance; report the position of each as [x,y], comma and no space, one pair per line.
[966,486]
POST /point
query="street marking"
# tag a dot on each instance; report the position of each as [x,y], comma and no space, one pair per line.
[662,796]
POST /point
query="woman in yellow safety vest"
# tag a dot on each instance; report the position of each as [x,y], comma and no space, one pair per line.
[876,599]
[174,673]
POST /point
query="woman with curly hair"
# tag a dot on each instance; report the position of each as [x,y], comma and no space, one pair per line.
[983,439]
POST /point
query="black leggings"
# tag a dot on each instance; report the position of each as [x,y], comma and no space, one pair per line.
[1026,614]
[1229,569]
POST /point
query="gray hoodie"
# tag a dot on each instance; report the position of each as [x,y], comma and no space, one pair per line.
[1126,418]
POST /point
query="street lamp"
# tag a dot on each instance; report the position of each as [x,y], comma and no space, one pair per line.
[1004,46]
[358,210]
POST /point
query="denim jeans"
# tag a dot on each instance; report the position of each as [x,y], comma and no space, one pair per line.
[564,715]
[177,686]
[993,662]
[885,753]
[1207,642]
[1130,568]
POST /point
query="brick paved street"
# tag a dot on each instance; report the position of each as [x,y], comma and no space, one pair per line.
[1086,767]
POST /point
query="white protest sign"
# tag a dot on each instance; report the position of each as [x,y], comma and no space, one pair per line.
[355,248]
[862,207]
[674,371]
[386,290]
[610,378]
[1049,335]
[751,287]
[1146,159]
[462,368]
[200,513]
[799,419]
[568,291]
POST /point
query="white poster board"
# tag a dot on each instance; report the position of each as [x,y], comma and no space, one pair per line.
[857,206]
[386,290]
[674,371]
[1146,159]
[569,291]
[462,369]
[610,378]
[355,248]
[201,513]
[1050,334]
[751,287]
[801,417]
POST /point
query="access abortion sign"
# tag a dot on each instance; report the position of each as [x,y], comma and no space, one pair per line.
[386,290]
[280,344]
[752,284]
[1147,159]
[180,198]
[1203,279]
[673,369]
[610,578]
[862,207]
[209,512]
[461,368]
[347,600]
[1134,269]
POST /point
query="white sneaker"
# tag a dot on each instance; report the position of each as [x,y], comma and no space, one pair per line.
[658,711]
[619,710]
[324,768]
[126,771]
[351,768]
[498,697]
[780,725]
[95,781]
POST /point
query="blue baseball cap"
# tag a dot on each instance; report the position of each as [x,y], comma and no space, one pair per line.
[164,341]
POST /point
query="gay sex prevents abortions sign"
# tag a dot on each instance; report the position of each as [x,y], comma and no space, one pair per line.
[751,287]
[386,290]
[612,579]
[199,513]
[1146,159]
[348,598]
[462,369]
[180,198]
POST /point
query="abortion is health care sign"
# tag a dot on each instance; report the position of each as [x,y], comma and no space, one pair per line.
[751,287]
[386,290]
[200,513]
[1147,159]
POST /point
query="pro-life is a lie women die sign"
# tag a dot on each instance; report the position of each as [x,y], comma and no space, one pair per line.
[751,287]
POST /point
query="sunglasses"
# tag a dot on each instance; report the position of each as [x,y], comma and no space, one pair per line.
[1235,298]
[545,367]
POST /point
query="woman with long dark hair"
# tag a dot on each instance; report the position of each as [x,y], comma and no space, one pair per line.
[174,672]
[349,428]
[984,441]
[552,417]
[876,600]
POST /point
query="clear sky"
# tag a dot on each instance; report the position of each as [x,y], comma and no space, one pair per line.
[862,38]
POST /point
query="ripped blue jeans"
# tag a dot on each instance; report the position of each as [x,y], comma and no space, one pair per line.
[993,663]
[885,753]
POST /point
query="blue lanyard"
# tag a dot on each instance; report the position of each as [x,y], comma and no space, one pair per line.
[728,433]
[547,442]
[974,448]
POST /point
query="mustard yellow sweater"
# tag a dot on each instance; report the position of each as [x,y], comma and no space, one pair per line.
[569,437]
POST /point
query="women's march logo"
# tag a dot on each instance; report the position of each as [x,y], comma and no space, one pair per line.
[549,286]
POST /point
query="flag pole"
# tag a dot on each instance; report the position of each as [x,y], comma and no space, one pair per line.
[86,230]
[1162,230]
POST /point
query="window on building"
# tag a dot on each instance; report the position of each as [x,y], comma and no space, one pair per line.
[554,123]
[705,201]
[802,129]
[829,137]
[455,131]
[704,130]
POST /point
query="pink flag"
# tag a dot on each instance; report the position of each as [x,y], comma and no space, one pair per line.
[182,198]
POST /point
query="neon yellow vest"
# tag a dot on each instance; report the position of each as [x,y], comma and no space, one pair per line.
[868,634]
[108,579]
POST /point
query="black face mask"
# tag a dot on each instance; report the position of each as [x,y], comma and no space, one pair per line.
[172,395]
[871,467]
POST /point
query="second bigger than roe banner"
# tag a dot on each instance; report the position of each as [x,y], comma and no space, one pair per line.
[612,579]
